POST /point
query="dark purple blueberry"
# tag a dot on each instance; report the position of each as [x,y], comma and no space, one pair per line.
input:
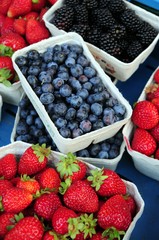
[76,48]
[46,98]
[21,61]
[76,70]
[65,90]
[114,151]
[98,97]
[63,74]
[33,112]
[24,70]
[98,124]
[77,132]
[83,61]
[24,102]
[75,84]
[119,109]
[65,47]
[103,154]
[94,149]
[105,146]
[83,79]
[22,128]
[38,90]
[93,118]
[30,119]
[89,72]
[81,114]
[87,86]
[98,88]
[70,61]
[111,101]
[95,80]
[50,108]
[63,68]
[75,101]
[37,62]
[86,126]
[97,109]
[44,139]
[109,116]
[33,54]
[52,65]
[83,93]
[73,55]
[57,48]
[60,122]
[72,125]
[65,132]
[47,56]
[60,109]
[70,114]
[24,138]
[24,113]
[59,57]
[43,66]
[90,99]
[38,123]
[106,94]
[57,82]
[85,106]
[83,153]
[33,81]
[34,70]
[47,88]
[44,76]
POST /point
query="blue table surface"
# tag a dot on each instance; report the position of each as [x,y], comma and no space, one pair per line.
[147,227]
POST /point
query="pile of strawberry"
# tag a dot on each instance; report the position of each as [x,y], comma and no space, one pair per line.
[145,117]
[41,202]
[21,24]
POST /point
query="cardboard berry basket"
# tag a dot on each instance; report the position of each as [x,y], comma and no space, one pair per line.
[146,165]
[68,144]
[19,147]
[11,94]
[108,163]
[111,65]
[1,104]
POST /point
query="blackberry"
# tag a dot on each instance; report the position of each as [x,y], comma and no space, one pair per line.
[130,20]
[105,19]
[118,31]
[116,6]
[72,3]
[81,29]
[123,43]
[63,18]
[91,4]
[110,45]
[81,14]
[103,3]
[93,36]
[134,49]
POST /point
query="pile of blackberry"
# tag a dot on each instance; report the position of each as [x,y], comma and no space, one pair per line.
[119,26]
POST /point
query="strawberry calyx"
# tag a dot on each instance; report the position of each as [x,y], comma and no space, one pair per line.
[35,1]
[74,227]
[89,224]
[17,218]
[5,74]
[25,178]
[5,50]
[97,178]
[1,205]
[68,165]
[64,186]
[112,233]
[41,151]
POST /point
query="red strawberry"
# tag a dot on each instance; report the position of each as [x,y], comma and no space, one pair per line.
[4,6]
[145,115]
[36,31]
[81,197]
[107,182]
[4,185]
[16,199]
[28,183]
[2,19]
[8,165]
[71,167]
[60,219]
[114,213]
[155,101]
[50,235]
[27,228]
[50,179]
[52,1]
[34,159]
[13,40]
[156,76]
[18,8]
[37,5]
[157,154]
[143,142]
[8,26]
[42,12]
[20,26]
[98,236]
[46,205]
[152,91]
[131,204]
[6,219]
[155,133]
[31,15]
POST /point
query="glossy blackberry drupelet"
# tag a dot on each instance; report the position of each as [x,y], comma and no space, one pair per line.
[81,29]
[93,35]
[134,49]
[105,18]
[103,3]
[91,4]
[81,14]
[118,31]
[116,6]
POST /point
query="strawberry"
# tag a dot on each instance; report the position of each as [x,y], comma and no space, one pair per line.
[155,101]
[2,19]
[114,213]
[28,183]
[46,205]
[4,185]
[69,166]
[4,6]
[131,204]
[15,200]
[8,26]
[31,15]
[18,8]
[37,5]
[50,235]
[50,179]
[52,1]
[42,12]
[27,228]
[20,26]
[107,182]
[145,115]
[155,133]
[8,165]
[34,159]
[152,91]
[6,219]
[36,31]
[156,76]
[98,236]
[157,153]
[81,197]
[13,40]
[60,219]
[143,142]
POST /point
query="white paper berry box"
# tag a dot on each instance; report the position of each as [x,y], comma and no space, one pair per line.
[144,164]
[19,147]
[67,144]
[11,94]
[118,69]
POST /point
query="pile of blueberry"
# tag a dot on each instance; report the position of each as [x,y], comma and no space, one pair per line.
[70,89]
[31,129]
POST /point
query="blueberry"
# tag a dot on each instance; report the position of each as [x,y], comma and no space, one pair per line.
[99,88]
[22,128]
[70,114]
[44,76]
[87,85]
[65,90]
[50,108]
[47,87]
[63,68]
[38,123]
[38,90]
[83,153]
[24,113]
[47,56]
[81,114]
[24,102]
[57,48]
[76,48]
[95,80]
[59,57]
[72,125]
[60,122]
[83,61]
[96,109]
[65,132]
[52,65]
[103,154]
[63,74]
[111,101]
[119,109]
[75,84]
[105,146]
[60,109]
[114,151]
[76,101]
[70,62]
[73,55]
[85,106]
[57,82]
[33,81]
[77,132]
[86,126]
[92,118]
[21,61]
[46,98]
[98,124]
[43,139]
[24,70]
[33,54]
[94,149]
[30,119]
[109,116]
[24,138]
[83,79]
[89,72]
[33,112]
[76,70]
[83,93]
[65,47]
[34,70]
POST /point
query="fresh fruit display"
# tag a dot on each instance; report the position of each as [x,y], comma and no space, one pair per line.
[109,25]
[76,209]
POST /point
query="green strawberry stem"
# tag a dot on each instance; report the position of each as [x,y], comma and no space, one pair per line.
[41,151]
[5,50]
[112,233]
[5,74]
[35,1]
[17,218]
[1,205]
[64,186]
[97,178]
